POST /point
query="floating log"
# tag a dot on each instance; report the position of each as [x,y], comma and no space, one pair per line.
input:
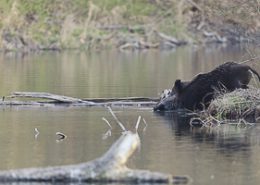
[43,95]
[111,167]
[130,99]
[55,99]
[20,103]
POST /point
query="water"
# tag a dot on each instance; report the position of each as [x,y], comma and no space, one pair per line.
[225,155]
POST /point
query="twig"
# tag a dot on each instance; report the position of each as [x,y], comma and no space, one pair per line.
[137,123]
[36,133]
[249,60]
[118,122]
[104,119]
[108,133]
[145,125]
[242,120]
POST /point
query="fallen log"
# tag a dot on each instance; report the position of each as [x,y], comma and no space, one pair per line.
[54,99]
[111,167]
[130,99]
[43,95]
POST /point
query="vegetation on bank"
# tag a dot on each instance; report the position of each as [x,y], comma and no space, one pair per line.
[84,24]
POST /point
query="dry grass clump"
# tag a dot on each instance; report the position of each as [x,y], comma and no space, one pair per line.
[240,103]
[241,106]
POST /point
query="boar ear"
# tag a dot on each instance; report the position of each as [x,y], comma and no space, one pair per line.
[178,86]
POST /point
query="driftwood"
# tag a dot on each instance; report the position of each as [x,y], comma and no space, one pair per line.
[53,99]
[138,45]
[170,39]
[111,167]
[44,95]
[215,37]
[130,99]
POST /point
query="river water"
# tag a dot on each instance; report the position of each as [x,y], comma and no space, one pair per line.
[224,155]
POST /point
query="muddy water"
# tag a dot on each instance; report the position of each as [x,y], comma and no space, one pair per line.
[225,155]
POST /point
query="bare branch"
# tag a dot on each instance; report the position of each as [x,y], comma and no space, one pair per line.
[137,123]
[118,122]
[145,125]
[108,133]
[249,60]
[104,119]
[36,133]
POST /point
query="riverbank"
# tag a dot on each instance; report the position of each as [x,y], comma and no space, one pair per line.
[56,25]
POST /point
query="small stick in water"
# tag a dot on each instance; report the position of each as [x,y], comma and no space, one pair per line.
[145,125]
[118,122]
[137,123]
[108,133]
[36,133]
[104,119]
